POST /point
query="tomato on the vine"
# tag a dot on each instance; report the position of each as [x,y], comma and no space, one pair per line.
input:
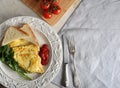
[47,14]
[56,9]
[44,4]
[49,7]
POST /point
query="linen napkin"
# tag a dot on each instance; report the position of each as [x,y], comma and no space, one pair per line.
[51,85]
[97,58]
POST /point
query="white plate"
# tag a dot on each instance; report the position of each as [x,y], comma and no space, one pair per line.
[44,34]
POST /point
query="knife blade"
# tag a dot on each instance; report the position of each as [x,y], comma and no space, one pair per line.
[65,61]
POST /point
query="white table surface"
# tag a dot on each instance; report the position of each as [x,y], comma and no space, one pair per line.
[95,14]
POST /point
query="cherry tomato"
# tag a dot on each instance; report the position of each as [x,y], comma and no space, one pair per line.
[44,48]
[47,14]
[45,45]
[44,54]
[49,1]
[44,62]
[44,5]
[56,9]
[55,1]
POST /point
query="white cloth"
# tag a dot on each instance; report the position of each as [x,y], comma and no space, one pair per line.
[97,14]
[51,85]
[97,58]
[101,14]
[99,66]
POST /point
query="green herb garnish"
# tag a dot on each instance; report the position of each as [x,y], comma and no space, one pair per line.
[6,56]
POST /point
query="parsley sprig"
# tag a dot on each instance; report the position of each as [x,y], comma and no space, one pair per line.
[6,56]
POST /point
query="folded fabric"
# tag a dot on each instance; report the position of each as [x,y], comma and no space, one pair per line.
[51,85]
[97,57]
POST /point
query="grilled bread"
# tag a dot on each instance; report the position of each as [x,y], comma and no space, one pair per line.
[25,32]
[12,34]
[31,38]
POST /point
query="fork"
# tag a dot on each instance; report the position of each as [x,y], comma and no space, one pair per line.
[71,47]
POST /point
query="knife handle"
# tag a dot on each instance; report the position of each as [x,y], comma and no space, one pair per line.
[66,75]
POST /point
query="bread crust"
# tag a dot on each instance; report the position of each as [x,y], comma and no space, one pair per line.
[21,29]
[15,28]
[35,39]
[18,28]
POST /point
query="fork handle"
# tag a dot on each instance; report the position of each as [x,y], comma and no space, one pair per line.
[76,79]
[75,75]
[66,75]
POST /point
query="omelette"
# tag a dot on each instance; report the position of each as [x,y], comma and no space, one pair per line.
[26,54]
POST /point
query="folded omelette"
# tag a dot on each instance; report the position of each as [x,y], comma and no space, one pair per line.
[26,54]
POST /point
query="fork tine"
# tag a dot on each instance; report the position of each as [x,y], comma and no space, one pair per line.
[71,44]
[72,41]
[68,41]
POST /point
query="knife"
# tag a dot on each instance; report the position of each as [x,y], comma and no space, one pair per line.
[65,62]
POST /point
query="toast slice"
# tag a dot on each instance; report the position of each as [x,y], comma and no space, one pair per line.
[12,34]
[31,38]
